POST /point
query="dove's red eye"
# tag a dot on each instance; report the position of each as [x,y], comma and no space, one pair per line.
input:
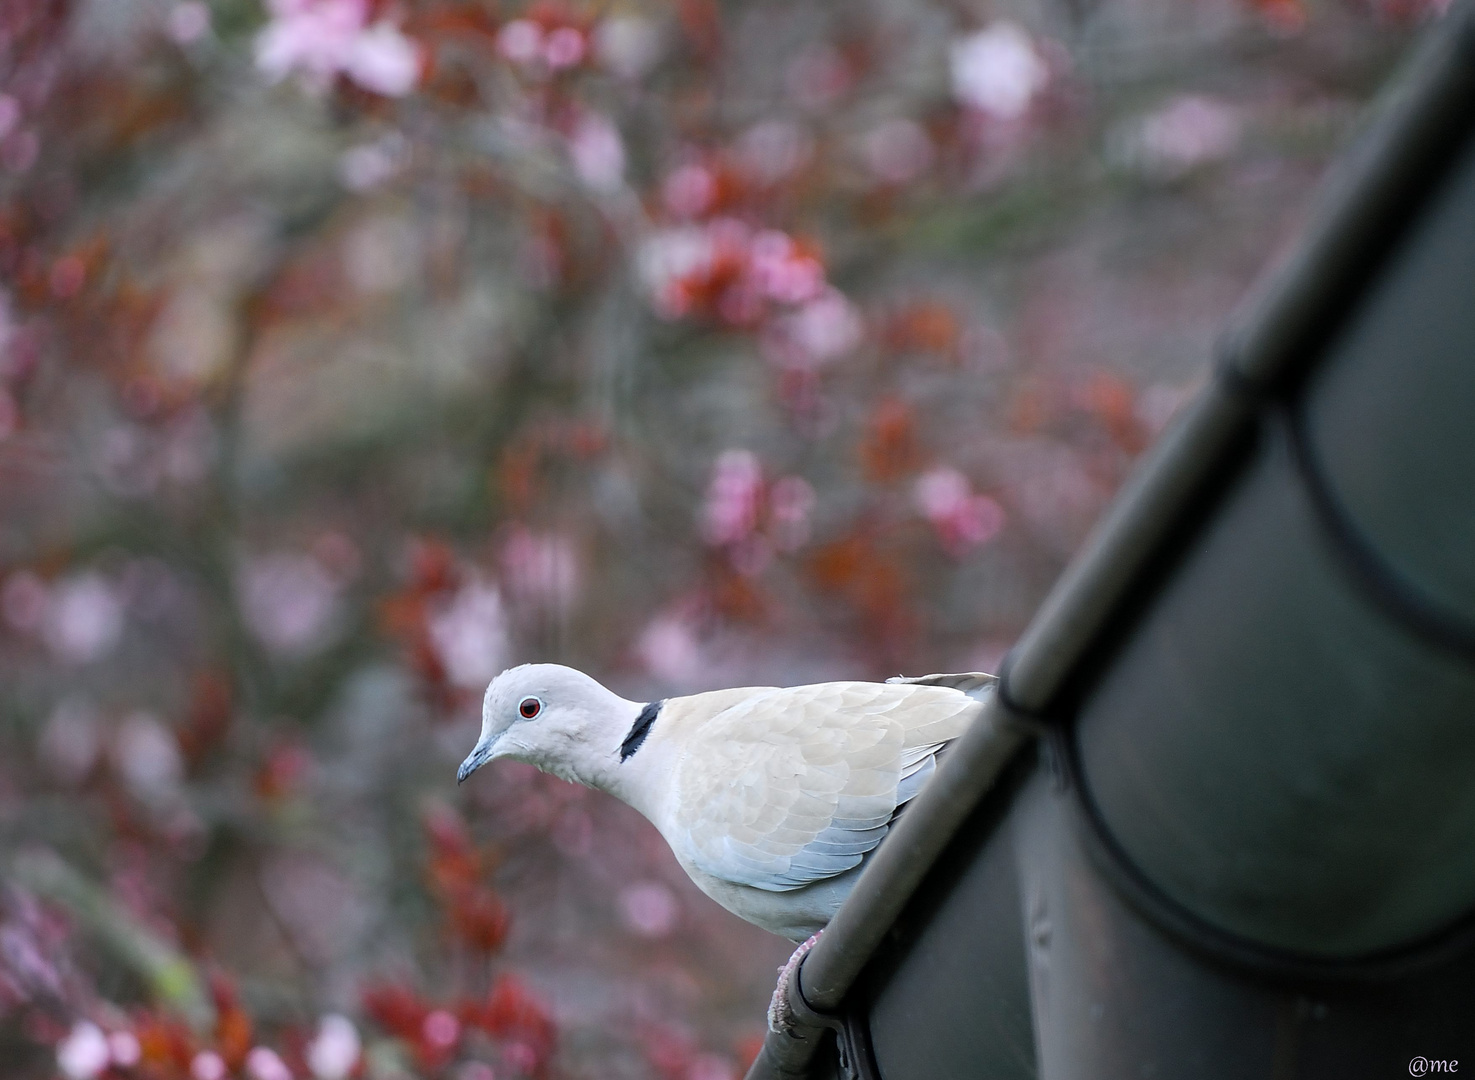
[530,707]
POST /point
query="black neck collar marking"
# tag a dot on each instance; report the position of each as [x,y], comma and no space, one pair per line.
[640,729]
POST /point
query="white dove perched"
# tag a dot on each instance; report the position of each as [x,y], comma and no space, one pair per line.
[770,797]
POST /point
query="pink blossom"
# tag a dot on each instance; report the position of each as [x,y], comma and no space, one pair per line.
[289,601]
[598,152]
[319,39]
[84,618]
[469,634]
[188,21]
[791,500]
[207,1065]
[334,1049]
[384,61]
[822,330]
[734,498]
[83,1054]
[668,257]
[782,271]
[669,649]
[146,754]
[1189,131]
[264,1064]
[520,1055]
[766,278]
[124,1048]
[520,41]
[962,519]
[649,908]
[563,48]
[998,70]
[312,38]
[688,191]
[441,1029]
[541,568]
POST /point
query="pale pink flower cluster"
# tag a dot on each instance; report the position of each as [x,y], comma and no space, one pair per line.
[528,43]
[289,601]
[998,70]
[188,21]
[132,461]
[963,520]
[819,331]
[734,498]
[469,633]
[750,278]
[207,1065]
[318,40]
[750,518]
[79,617]
[649,909]
[1187,132]
[146,754]
[541,569]
[263,1063]
[441,1029]
[598,152]
[335,1049]
[670,650]
[87,1051]
[143,751]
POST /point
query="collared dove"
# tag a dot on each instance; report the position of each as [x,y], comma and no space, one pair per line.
[770,797]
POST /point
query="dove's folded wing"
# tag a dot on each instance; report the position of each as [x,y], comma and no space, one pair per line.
[789,786]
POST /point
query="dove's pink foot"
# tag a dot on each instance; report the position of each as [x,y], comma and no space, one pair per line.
[781,1014]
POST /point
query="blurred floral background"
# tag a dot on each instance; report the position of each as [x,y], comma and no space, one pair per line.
[353,350]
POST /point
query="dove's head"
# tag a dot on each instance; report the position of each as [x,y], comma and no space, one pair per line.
[554,717]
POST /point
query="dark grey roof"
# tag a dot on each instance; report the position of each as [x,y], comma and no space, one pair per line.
[1243,843]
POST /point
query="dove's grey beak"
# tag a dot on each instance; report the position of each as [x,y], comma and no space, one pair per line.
[475,760]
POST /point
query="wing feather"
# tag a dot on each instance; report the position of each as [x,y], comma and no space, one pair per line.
[778,788]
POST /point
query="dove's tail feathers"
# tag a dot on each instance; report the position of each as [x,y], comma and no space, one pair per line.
[972,683]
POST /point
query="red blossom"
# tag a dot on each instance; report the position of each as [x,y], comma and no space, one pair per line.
[513,1014]
[397,1010]
[233,1027]
[281,772]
